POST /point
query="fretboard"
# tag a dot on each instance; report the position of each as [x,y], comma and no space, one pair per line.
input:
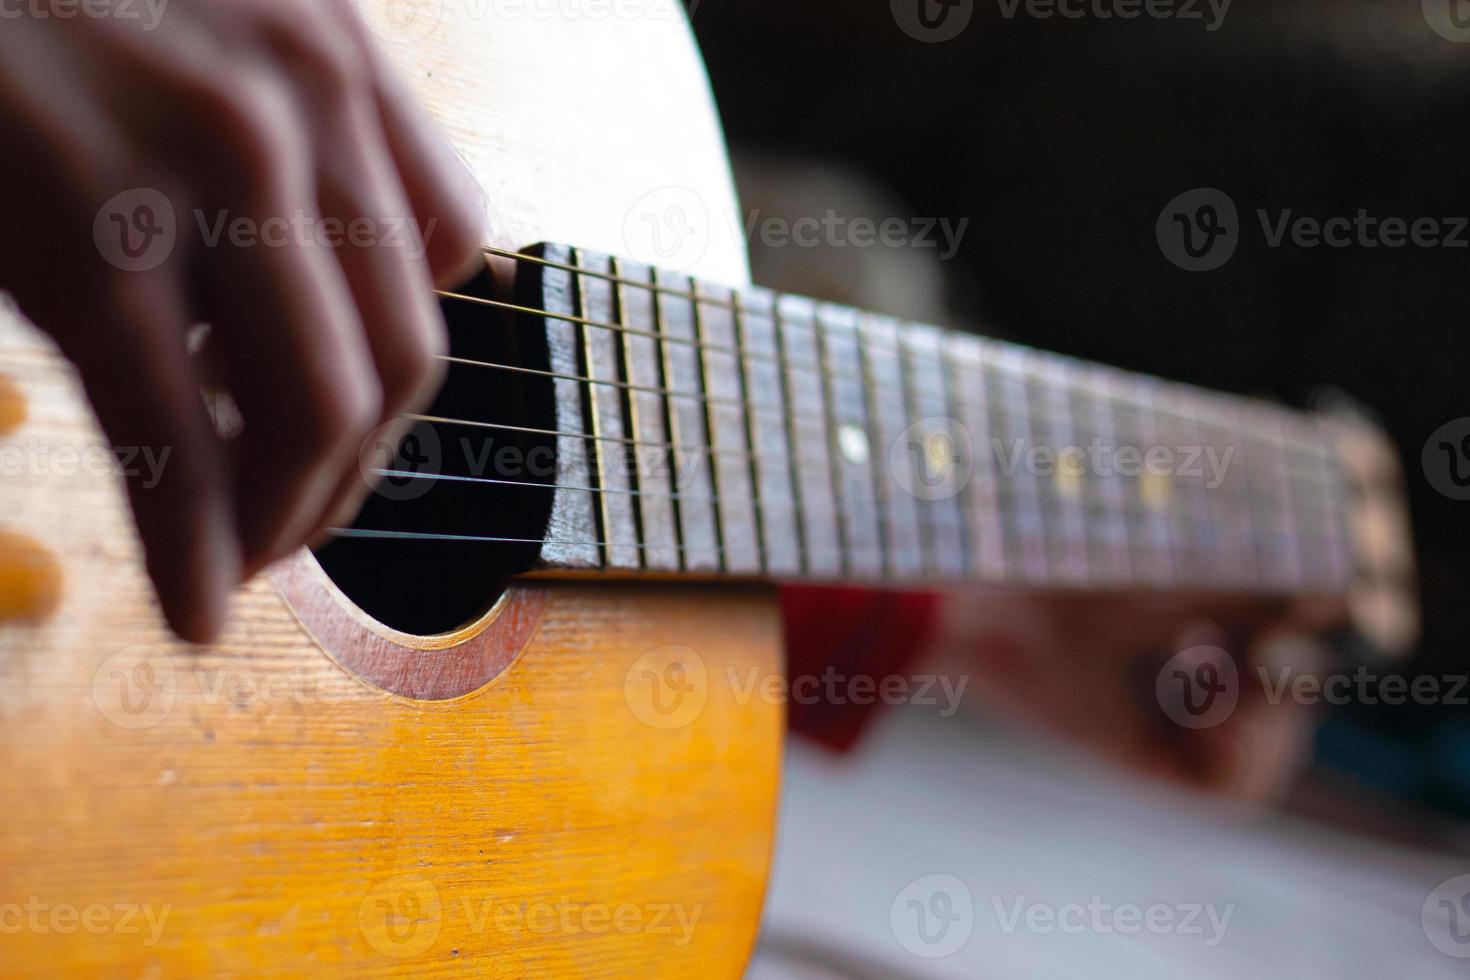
[707,432]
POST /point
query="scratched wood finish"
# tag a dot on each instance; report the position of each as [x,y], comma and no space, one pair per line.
[292,818]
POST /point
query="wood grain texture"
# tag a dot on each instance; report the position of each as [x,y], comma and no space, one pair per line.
[253,808]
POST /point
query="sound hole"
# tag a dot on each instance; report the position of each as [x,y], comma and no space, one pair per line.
[468,501]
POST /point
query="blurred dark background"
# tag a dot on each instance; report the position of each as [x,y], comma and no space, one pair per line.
[1062,139]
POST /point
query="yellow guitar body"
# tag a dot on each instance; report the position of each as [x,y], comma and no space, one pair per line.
[566,788]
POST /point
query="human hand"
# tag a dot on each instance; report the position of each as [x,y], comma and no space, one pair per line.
[253,165]
[1105,672]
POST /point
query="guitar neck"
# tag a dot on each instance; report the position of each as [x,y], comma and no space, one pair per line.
[707,432]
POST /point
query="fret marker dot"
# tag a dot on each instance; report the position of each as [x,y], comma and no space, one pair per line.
[939,452]
[1156,489]
[1070,470]
[853,442]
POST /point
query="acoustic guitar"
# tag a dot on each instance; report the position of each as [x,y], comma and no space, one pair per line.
[492,726]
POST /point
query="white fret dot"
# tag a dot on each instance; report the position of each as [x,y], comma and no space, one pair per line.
[853,442]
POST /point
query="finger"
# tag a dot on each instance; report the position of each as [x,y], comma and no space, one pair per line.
[443,193]
[390,284]
[140,380]
[302,375]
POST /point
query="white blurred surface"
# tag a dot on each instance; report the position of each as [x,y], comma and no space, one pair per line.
[1017,821]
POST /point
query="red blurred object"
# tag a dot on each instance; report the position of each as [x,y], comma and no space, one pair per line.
[852,633]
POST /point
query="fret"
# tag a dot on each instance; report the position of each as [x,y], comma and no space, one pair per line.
[779,436]
[601,353]
[1048,383]
[852,455]
[688,430]
[807,419]
[1190,508]
[1149,494]
[1024,533]
[1277,546]
[728,431]
[766,404]
[893,463]
[1320,487]
[571,529]
[1104,490]
[943,451]
[966,356]
[648,420]
[1230,503]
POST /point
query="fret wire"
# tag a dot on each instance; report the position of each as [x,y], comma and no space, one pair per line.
[1297,467]
[1270,488]
[1080,391]
[492,481]
[1215,400]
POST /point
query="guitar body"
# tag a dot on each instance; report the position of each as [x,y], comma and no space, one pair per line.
[316,793]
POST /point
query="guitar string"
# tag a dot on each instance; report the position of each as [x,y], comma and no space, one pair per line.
[1216,399]
[1213,402]
[1032,420]
[1065,418]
